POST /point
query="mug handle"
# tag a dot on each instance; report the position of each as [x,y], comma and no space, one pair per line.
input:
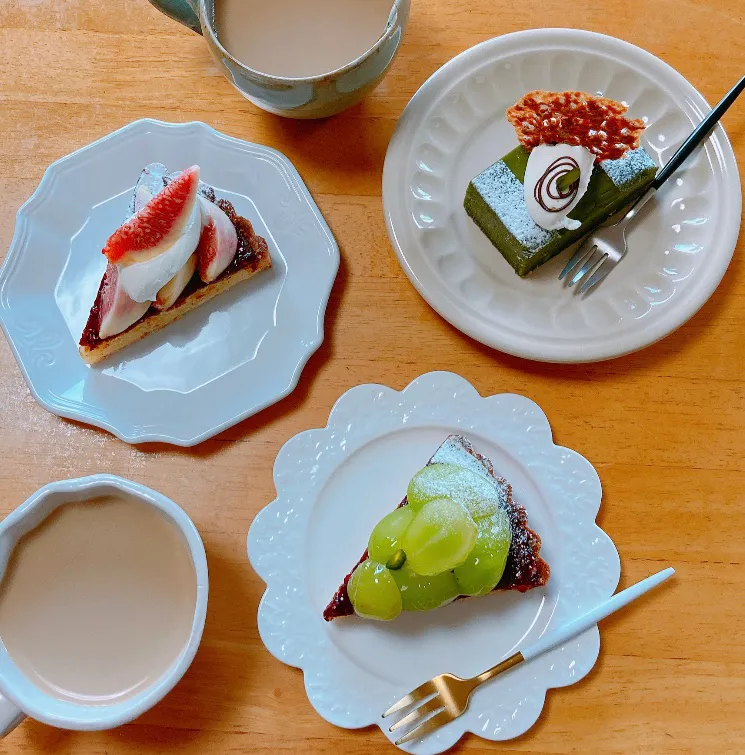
[183,11]
[10,716]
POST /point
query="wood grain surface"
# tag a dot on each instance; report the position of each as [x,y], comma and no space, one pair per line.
[665,427]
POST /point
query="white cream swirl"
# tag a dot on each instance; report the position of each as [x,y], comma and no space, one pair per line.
[547,204]
[143,280]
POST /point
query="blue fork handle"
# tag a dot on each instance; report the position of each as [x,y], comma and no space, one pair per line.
[699,134]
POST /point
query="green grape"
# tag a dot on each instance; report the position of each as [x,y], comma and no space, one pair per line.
[420,593]
[373,592]
[482,570]
[477,493]
[440,537]
[385,538]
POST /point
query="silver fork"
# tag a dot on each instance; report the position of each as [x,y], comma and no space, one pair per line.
[603,249]
[446,696]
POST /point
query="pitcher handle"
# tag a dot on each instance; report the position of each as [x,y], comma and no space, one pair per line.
[10,716]
[183,11]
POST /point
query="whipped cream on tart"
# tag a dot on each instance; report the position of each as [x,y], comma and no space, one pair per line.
[179,247]
[156,243]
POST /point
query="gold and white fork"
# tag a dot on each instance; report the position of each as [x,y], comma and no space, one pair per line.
[442,699]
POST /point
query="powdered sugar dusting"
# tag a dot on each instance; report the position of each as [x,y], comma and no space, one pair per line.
[474,491]
[525,568]
[628,168]
[505,195]
[454,451]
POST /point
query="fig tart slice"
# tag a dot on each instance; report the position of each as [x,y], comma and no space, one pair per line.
[179,247]
[458,533]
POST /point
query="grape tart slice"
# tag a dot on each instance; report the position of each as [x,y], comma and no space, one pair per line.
[251,257]
[524,569]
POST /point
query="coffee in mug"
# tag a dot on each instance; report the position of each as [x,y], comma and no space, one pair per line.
[299,38]
[98,600]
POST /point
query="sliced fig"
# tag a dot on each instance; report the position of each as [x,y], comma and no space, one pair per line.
[118,310]
[218,243]
[172,290]
[158,224]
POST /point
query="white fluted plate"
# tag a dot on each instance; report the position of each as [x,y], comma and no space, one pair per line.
[334,484]
[217,365]
[455,127]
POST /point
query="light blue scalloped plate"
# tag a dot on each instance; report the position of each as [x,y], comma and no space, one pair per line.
[215,366]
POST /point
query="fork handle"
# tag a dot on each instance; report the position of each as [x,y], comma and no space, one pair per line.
[514,660]
[619,600]
[699,134]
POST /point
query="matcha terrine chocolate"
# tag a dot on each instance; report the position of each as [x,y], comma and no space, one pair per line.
[579,162]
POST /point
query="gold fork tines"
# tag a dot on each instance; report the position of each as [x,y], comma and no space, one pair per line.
[441,700]
[430,725]
[416,695]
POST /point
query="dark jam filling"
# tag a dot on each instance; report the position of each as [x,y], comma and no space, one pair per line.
[578,119]
[252,249]
[525,569]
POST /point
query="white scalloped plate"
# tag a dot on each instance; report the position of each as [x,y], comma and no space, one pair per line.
[334,483]
[455,126]
[212,368]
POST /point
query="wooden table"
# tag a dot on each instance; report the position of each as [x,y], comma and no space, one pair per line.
[665,428]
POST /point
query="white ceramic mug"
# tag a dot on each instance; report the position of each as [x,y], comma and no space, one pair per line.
[19,697]
[308,97]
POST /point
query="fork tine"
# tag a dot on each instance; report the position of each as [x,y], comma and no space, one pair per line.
[424,690]
[599,275]
[595,259]
[577,257]
[433,706]
[430,725]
